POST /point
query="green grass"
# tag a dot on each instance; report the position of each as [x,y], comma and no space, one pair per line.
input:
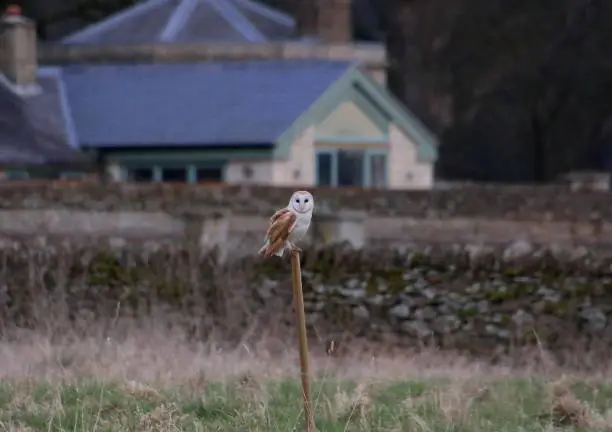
[246,405]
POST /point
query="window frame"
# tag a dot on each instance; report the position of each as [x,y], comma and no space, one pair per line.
[333,153]
[72,175]
[17,175]
[163,167]
[157,169]
[368,170]
[155,173]
[367,165]
[192,173]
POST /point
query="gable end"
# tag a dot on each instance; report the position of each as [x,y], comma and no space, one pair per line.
[375,101]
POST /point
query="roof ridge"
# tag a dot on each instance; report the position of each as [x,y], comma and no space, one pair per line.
[242,24]
[56,72]
[177,20]
[113,20]
[269,12]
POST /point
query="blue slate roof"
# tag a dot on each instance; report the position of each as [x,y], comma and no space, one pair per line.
[193,104]
[190,21]
[34,129]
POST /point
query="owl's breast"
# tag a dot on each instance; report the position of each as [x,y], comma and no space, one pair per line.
[299,231]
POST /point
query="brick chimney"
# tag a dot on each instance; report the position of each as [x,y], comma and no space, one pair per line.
[18,62]
[328,20]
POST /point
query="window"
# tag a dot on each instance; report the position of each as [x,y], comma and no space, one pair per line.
[209,174]
[140,175]
[174,174]
[324,169]
[351,168]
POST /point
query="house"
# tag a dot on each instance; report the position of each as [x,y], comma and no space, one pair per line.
[289,122]
[32,130]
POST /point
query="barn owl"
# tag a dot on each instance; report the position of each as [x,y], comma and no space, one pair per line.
[288,225]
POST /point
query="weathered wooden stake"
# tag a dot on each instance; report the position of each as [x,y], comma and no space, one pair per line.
[298,303]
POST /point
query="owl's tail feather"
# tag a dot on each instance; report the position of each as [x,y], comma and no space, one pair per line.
[264,247]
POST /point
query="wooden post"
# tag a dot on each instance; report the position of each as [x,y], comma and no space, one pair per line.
[298,301]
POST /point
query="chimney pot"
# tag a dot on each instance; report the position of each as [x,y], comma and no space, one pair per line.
[18,56]
[13,10]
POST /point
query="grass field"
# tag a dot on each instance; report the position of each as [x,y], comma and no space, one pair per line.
[153,381]
[510,405]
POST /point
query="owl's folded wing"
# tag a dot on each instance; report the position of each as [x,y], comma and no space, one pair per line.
[278,232]
[278,214]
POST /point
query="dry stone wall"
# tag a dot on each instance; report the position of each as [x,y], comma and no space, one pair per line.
[484,301]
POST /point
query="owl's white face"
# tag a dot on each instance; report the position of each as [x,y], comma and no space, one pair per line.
[302,202]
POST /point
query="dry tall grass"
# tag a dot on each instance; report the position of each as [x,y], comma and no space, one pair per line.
[148,377]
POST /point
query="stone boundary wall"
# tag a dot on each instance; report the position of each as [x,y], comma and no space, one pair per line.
[236,215]
[488,303]
[513,203]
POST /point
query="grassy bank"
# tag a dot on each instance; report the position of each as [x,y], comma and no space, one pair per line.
[245,404]
[148,378]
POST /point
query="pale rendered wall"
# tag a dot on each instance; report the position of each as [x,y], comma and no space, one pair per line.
[262,172]
[299,168]
[405,172]
[348,121]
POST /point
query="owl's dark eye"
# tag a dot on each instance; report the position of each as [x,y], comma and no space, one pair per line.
[306,200]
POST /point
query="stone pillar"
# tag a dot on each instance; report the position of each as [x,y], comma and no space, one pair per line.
[345,226]
[209,230]
[113,173]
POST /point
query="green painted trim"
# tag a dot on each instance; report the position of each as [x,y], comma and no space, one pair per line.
[348,139]
[17,174]
[178,156]
[380,118]
[157,168]
[44,173]
[375,100]
[72,175]
[323,106]
[192,173]
[157,173]
[370,153]
[367,171]
[426,141]
[351,94]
